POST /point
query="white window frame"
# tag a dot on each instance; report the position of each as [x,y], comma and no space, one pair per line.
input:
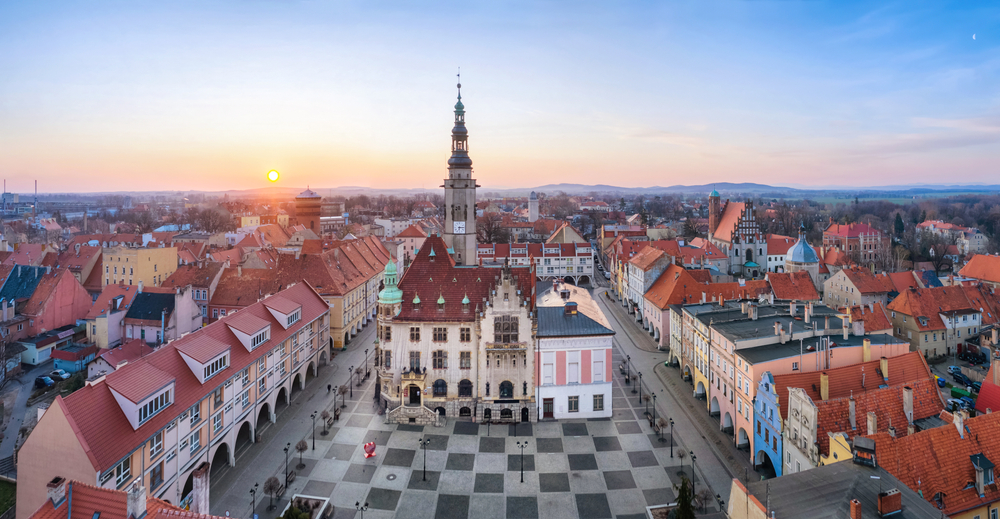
[194,441]
[123,472]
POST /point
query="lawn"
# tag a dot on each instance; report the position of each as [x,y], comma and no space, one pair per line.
[8,491]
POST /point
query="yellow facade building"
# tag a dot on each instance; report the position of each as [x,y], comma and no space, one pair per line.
[132,266]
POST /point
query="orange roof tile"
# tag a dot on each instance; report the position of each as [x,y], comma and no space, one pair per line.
[127,352]
[792,286]
[874,317]
[868,283]
[728,220]
[778,245]
[646,258]
[982,266]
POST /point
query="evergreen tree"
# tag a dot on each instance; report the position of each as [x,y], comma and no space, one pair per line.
[923,216]
[899,225]
[684,510]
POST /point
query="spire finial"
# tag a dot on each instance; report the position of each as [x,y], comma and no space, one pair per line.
[460,82]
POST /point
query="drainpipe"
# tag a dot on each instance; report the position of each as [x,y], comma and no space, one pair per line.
[163,335]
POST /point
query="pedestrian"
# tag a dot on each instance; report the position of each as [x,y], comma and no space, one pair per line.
[329,388]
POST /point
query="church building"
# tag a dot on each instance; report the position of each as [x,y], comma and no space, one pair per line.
[734,229]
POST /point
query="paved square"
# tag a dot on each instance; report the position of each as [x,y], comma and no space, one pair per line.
[319,488]
[522,507]
[514,462]
[555,482]
[582,462]
[399,457]
[358,473]
[468,428]
[619,479]
[549,445]
[575,429]
[439,442]
[520,429]
[451,506]
[492,445]
[628,427]
[410,427]
[340,451]
[380,438]
[658,496]
[417,480]
[383,499]
[642,459]
[607,443]
[489,483]
[460,461]
[593,506]
[359,420]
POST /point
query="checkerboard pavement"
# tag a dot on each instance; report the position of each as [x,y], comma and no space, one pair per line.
[597,468]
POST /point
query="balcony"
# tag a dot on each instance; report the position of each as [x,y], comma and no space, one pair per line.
[415,377]
[506,346]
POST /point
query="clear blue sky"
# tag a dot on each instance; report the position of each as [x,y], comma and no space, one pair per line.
[211,95]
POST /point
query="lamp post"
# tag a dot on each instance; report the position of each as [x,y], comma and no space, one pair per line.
[693,484]
[423,445]
[628,367]
[639,385]
[253,499]
[361,508]
[654,410]
[314,429]
[522,446]
[349,375]
[366,363]
[671,437]
[286,461]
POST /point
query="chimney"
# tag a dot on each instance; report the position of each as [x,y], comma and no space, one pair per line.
[140,286]
[791,309]
[855,509]
[958,418]
[570,308]
[824,386]
[890,502]
[883,366]
[702,298]
[753,312]
[777,328]
[996,371]
[844,321]
[808,314]
[908,403]
[136,502]
[866,350]
[56,491]
[859,328]
[239,270]
[743,307]
[892,431]
[851,413]
[872,423]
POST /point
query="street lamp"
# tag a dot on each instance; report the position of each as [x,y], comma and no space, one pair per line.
[253,498]
[639,386]
[289,446]
[423,445]
[522,446]
[654,411]
[361,508]
[366,363]
[693,484]
[671,437]
[314,429]
[628,366]
[349,375]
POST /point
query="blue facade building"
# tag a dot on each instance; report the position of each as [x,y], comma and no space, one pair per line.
[767,425]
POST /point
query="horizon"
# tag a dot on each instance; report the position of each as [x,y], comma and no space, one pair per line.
[137,98]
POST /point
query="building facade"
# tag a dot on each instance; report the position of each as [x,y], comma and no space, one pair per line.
[134,266]
[460,194]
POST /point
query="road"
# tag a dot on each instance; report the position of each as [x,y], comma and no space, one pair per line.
[25,385]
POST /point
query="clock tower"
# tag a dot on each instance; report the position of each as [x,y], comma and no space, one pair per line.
[460,194]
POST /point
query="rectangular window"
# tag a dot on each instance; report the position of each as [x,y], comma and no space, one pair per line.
[245,398]
[387,355]
[156,445]
[260,338]
[294,317]
[440,334]
[216,366]
[505,329]
[388,334]
[261,385]
[465,334]
[465,360]
[414,333]
[414,360]
[574,404]
[195,414]
[245,376]
[440,359]
[598,402]
[598,371]
[123,472]
[153,406]
[156,476]
[547,374]
[574,373]
[217,422]
[195,441]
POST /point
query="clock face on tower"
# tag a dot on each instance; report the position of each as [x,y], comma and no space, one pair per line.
[459,227]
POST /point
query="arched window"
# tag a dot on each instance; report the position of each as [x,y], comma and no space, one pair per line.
[465,388]
[749,255]
[525,388]
[506,389]
[506,414]
[440,388]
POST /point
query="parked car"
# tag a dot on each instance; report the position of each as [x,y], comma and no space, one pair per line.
[607,275]
[954,404]
[954,369]
[960,379]
[976,386]
[968,402]
[42,382]
[59,374]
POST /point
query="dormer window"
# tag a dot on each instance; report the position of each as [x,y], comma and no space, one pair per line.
[154,406]
[216,366]
[294,317]
[261,337]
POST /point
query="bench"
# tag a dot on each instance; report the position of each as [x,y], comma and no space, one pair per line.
[280,492]
[336,415]
[290,478]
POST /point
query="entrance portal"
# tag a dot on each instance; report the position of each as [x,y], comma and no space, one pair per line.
[547,407]
[414,395]
[524,414]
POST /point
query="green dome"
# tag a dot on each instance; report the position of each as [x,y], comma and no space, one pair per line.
[714,193]
[416,299]
[459,106]
[465,300]
[441,299]
[391,294]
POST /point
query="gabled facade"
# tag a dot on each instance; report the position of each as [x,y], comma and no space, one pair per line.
[733,227]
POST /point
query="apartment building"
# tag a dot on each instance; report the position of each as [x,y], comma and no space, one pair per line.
[572,262]
[161,421]
[130,266]
[938,320]
[857,286]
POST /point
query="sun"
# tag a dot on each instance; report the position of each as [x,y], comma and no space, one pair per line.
[272,175]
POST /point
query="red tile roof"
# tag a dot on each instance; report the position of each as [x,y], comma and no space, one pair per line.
[701,275]
[646,258]
[851,230]
[874,317]
[886,403]
[792,286]
[936,462]
[96,277]
[982,266]
[868,283]
[855,379]
[103,304]
[247,323]
[778,245]
[412,232]
[203,348]
[200,277]
[903,280]
[75,260]
[280,304]
[138,382]
[989,395]
[79,354]
[672,287]
[930,303]
[46,289]
[103,429]
[728,220]
[432,276]
[127,352]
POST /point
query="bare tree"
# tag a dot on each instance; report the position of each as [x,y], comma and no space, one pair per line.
[490,229]
[301,447]
[271,488]
[325,415]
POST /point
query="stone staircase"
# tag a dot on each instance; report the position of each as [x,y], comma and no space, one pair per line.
[417,414]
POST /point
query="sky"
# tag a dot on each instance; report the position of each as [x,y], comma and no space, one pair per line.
[211,95]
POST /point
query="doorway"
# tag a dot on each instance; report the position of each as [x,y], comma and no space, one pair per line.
[524,414]
[414,395]
[547,408]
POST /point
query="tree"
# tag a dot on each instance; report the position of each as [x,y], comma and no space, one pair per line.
[271,487]
[690,231]
[898,226]
[684,509]
[325,415]
[342,391]
[662,424]
[301,447]
[934,247]
[490,229]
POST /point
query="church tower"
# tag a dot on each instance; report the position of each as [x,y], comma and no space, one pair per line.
[714,212]
[460,194]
